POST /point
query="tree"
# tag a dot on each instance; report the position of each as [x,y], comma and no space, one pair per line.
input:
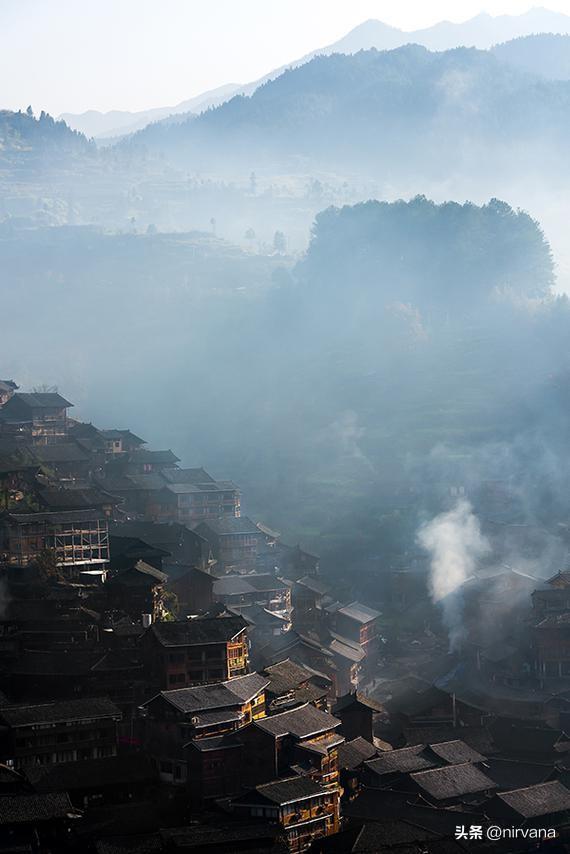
[279,242]
[253,183]
[44,388]
[250,234]
[30,112]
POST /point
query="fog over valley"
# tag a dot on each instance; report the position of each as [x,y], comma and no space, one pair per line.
[284,430]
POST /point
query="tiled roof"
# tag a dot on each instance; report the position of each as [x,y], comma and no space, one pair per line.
[141,573]
[62,517]
[219,716]
[535,801]
[353,753]
[322,745]
[220,695]
[453,781]
[355,698]
[234,585]
[346,649]
[227,525]
[302,722]
[455,752]
[201,630]
[285,676]
[315,584]
[402,761]
[359,612]
[63,452]
[176,475]
[286,791]
[145,455]
[63,710]
[29,809]
[147,843]
[41,400]
[217,742]
[75,499]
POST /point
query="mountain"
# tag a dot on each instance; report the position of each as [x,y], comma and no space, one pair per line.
[27,141]
[406,112]
[116,123]
[546,55]
[482,32]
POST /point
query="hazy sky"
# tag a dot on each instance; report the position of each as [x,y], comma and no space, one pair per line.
[72,55]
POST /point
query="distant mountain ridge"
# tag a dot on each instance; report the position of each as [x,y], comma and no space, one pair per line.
[483,31]
[385,111]
[94,123]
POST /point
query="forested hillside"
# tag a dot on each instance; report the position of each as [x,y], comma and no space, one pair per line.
[545,54]
[25,140]
[386,112]
[319,386]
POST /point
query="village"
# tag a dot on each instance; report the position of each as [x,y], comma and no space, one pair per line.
[174,677]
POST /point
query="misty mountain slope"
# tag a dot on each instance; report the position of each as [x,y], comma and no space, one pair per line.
[546,55]
[482,32]
[94,123]
[27,141]
[449,257]
[316,389]
[397,112]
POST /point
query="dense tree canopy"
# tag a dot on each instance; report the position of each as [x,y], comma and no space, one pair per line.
[448,256]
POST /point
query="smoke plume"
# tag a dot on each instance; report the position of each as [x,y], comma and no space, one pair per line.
[454,542]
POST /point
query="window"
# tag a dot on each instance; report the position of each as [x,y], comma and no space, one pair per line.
[65,756]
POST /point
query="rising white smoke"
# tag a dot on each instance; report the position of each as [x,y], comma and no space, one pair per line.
[455,544]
